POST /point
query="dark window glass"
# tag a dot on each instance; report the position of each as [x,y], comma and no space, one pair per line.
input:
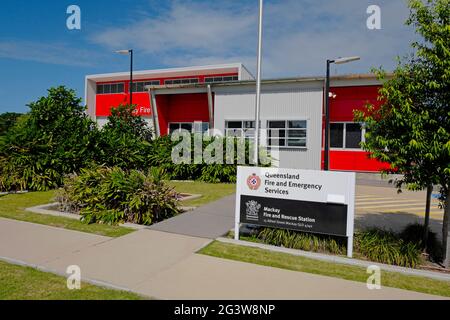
[114,88]
[208,80]
[120,88]
[297,124]
[297,133]
[218,79]
[297,142]
[337,135]
[168,81]
[185,81]
[99,89]
[227,78]
[205,126]
[249,124]
[107,88]
[277,124]
[194,80]
[177,81]
[235,78]
[353,135]
[173,127]
[187,126]
[234,124]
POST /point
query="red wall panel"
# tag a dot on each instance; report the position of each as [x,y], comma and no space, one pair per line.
[342,106]
[349,99]
[354,161]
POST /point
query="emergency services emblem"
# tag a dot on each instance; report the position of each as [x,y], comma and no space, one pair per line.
[253,182]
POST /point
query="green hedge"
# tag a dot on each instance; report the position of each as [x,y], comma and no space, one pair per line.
[402,249]
[112,196]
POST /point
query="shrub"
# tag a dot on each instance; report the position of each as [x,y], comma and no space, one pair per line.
[125,140]
[55,138]
[112,195]
[414,233]
[302,241]
[387,247]
[161,156]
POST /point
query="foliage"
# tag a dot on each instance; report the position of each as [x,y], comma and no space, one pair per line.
[125,140]
[192,168]
[411,130]
[112,195]
[55,138]
[7,121]
[414,233]
[386,247]
[373,244]
[302,241]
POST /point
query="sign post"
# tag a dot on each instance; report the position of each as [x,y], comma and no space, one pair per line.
[301,200]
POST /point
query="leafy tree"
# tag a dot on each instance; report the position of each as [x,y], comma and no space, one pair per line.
[411,130]
[7,121]
[125,140]
[55,138]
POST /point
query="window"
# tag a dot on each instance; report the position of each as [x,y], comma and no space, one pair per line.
[287,133]
[139,86]
[346,135]
[221,79]
[193,127]
[242,129]
[181,81]
[110,88]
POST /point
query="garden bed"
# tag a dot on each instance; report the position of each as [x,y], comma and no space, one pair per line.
[53,209]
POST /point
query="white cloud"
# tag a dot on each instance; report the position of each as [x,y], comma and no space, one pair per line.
[298,35]
[52,53]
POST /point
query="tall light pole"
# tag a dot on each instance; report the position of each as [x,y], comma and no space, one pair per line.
[258,82]
[327,108]
[130,52]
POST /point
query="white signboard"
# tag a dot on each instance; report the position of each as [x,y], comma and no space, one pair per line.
[301,200]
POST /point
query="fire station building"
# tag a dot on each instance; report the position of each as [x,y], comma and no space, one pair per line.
[222,97]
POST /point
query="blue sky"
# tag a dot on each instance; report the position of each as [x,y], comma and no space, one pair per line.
[37,51]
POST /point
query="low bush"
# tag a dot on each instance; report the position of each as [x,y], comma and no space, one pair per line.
[374,244]
[225,171]
[302,241]
[112,195]
[387,247]
[414,233]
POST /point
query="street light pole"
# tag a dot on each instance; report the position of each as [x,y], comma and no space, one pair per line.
[327,119]
[326,156]
[130,52]
[131,76]
[258,82]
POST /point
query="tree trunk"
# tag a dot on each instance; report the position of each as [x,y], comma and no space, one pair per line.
[445,235]
[427,218]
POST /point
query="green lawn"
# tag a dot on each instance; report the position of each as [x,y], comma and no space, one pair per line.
[13,207]
[24,283]
[297,263]
[209,191]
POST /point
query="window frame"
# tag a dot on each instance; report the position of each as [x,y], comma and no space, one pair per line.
[115,84]
[191,81]
[241,129]
[193,126]
[287,129]
[344,138]
[212,79]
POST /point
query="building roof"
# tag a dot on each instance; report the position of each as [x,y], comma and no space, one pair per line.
[170,72]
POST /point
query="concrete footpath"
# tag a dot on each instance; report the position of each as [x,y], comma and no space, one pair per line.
[164,265]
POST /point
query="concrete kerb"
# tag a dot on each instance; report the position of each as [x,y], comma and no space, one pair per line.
[94,282]
[340,260]
[47,209]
